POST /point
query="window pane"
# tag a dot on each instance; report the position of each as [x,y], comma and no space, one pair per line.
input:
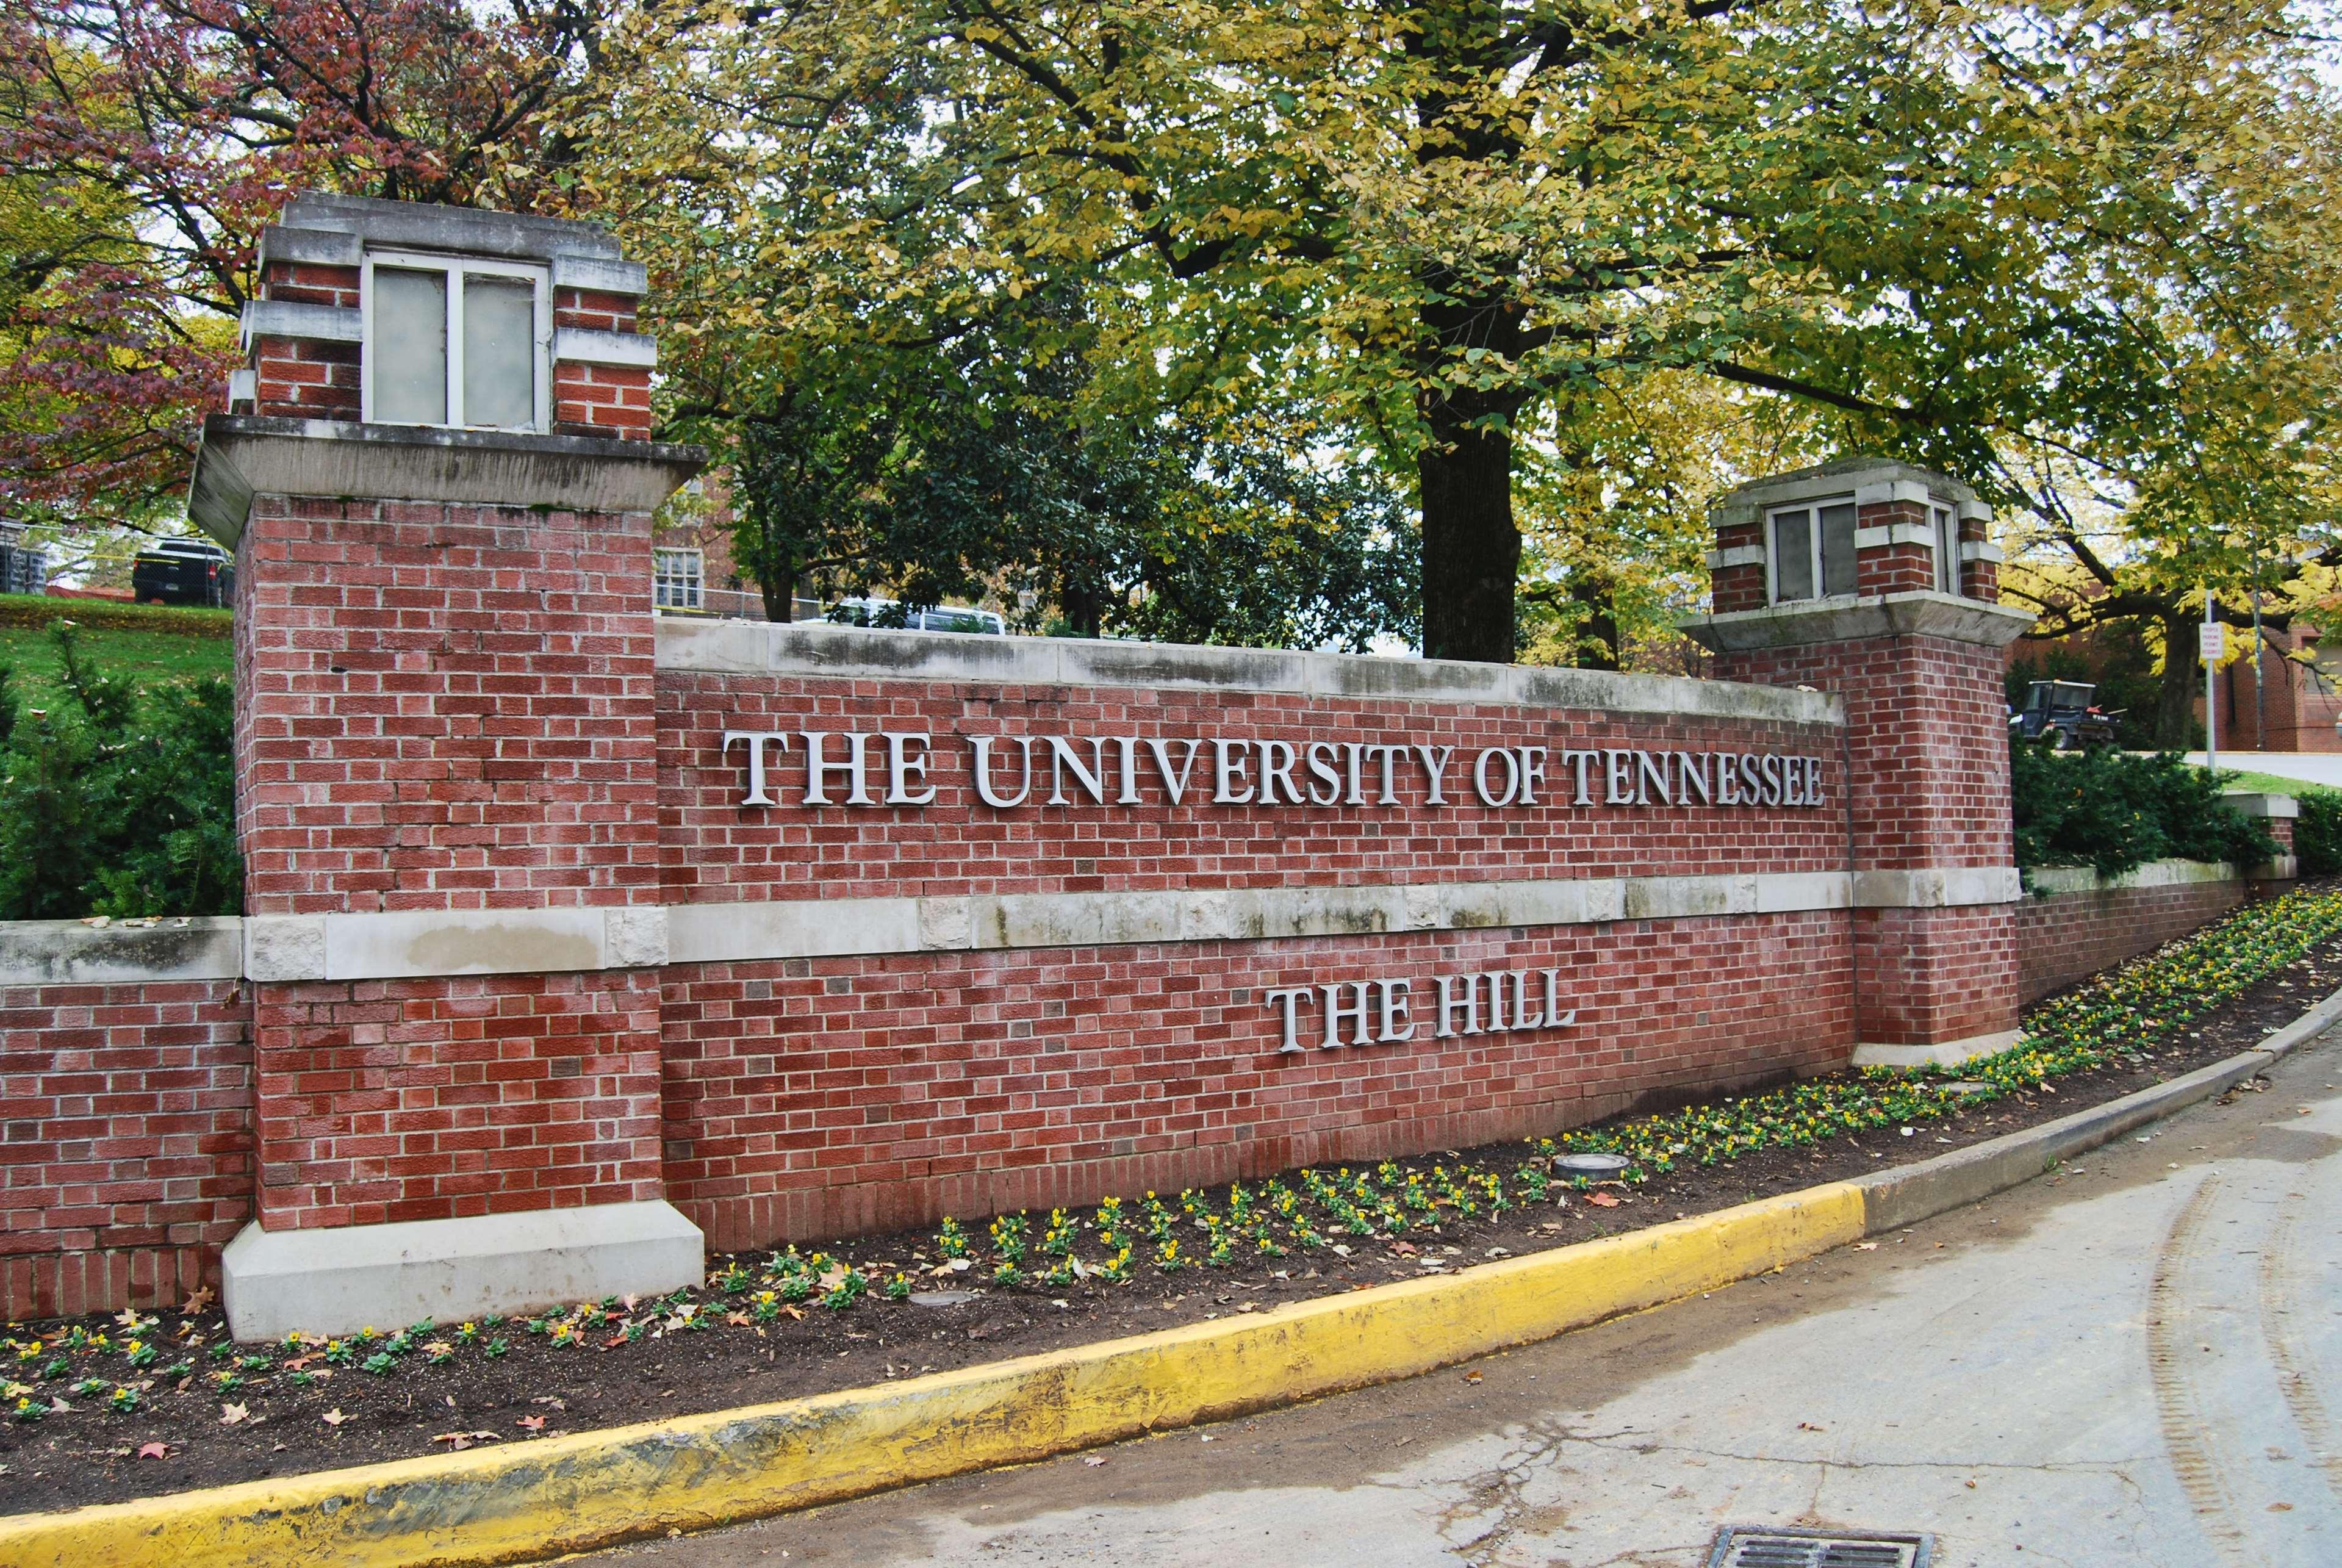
[1793,555]
[500,352]
[1947,552]
[1837,548]
[410,347]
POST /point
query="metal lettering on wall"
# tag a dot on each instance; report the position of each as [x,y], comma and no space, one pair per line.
[897,769]
[1382,1012]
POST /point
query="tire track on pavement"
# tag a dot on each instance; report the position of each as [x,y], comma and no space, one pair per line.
[2303,1398]
[2169,1370]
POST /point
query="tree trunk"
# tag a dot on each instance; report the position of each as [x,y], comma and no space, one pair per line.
[1597,635]
[1471,549]
[2183,672]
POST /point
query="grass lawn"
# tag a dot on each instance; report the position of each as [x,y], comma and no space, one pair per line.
[2271,784]
[133,651]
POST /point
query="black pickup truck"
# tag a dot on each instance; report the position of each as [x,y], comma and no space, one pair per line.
[182,571]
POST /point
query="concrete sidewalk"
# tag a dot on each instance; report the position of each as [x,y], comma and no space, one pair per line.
[2137,1362]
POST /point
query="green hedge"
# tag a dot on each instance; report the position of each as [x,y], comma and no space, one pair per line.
[2317,832]
[118,800]
[40,610]
[2113,811]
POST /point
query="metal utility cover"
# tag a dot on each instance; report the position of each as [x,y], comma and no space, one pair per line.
[1769,1547]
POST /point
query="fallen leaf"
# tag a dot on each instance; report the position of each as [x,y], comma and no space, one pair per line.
[1602,1199]
[832,1278]
[1865,1246]
[333,1417]
[153,1451]
[530,1422]
[1471,1377]
[739,1320]
[614,1342]
[555,1401]
[198,1302]
[1402,1249]
[1094,1461]
[232,1414]
[461,1440]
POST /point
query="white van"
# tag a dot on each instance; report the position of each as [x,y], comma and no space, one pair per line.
[943,618]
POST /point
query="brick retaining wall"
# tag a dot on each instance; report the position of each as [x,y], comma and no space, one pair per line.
[2083,923]
[128,1112]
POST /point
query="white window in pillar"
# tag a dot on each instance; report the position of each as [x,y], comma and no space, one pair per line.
[677,578]
[1948,548]
[1810,552]
[456,340]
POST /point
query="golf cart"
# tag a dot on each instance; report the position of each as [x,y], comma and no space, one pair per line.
[2060,711]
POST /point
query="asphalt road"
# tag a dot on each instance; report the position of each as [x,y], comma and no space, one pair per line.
[2138,1360]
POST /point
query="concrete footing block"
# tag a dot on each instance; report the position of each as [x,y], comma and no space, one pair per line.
[339,1280]
[1942,1053]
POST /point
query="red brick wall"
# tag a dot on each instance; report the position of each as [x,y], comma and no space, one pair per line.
[2063,937]
[1924,976]
[814,1098]
[428,1098]
[297,378]
[128,1112]
[1928,723]
[602,400]
[715,851]
[444,707]
[595,310]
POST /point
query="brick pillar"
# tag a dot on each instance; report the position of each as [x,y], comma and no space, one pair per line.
[1919,667]
[447,791]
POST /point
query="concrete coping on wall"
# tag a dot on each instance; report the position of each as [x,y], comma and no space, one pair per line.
[415,944]
[2253,803]
[818,649]
[2052,880]
[79,952]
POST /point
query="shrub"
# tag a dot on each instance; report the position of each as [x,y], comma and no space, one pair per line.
[2113,811]
[180,620]
[118,801]
[2317,832]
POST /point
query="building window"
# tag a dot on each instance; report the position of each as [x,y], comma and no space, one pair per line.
[456,341]
[677,578]
[1947,549]
[1811,552]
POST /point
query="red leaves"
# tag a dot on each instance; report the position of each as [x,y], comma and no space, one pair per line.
[167,133]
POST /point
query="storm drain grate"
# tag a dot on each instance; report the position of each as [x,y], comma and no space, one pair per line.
[1749,1546]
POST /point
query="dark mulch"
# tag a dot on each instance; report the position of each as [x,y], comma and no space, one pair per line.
[535,1388]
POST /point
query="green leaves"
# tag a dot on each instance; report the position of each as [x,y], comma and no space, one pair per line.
[121,801]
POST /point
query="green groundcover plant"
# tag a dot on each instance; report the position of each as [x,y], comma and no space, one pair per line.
[2115,811]
[120,799]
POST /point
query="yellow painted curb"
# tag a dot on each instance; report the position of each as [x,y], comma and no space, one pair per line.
[535,1500]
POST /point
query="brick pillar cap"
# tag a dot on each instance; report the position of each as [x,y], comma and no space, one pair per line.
[1851,620]
[243,456]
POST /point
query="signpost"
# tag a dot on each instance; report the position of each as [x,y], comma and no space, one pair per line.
[2211,645]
